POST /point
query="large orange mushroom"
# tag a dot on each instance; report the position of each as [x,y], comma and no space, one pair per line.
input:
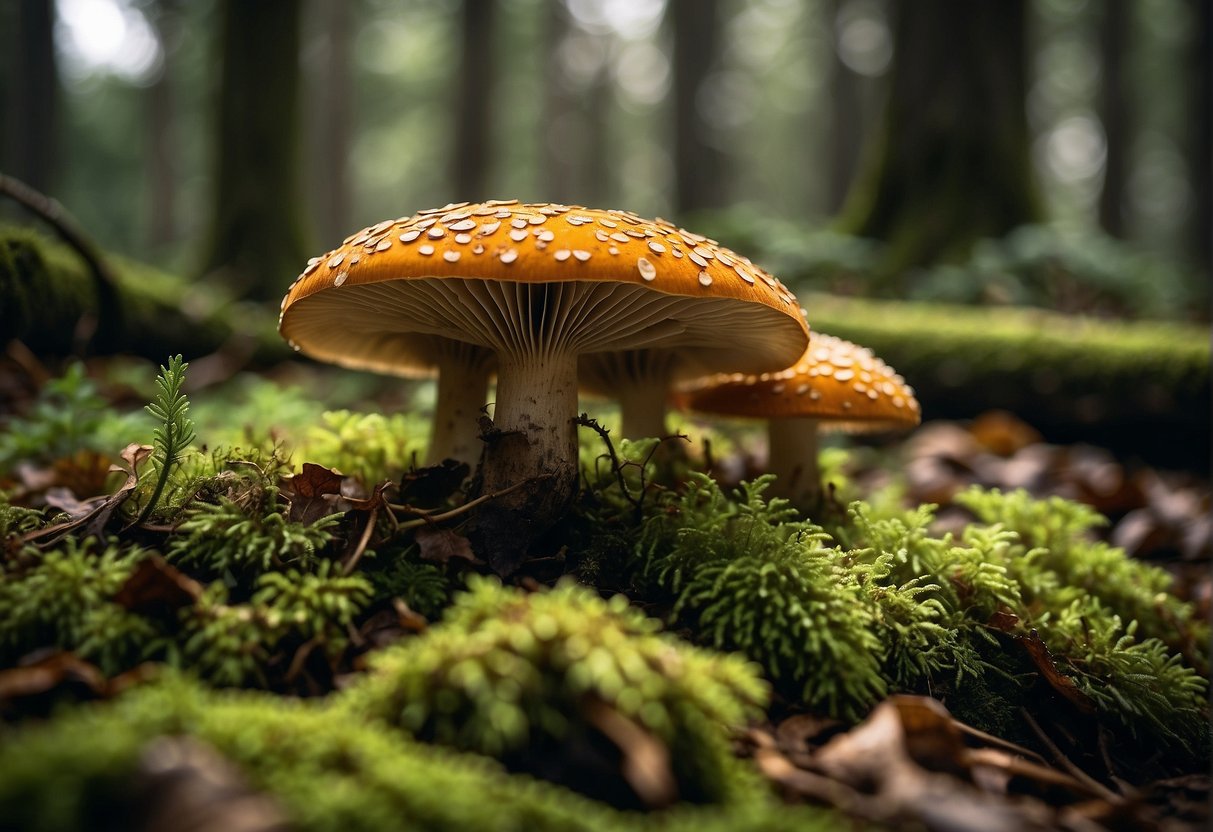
[537,286]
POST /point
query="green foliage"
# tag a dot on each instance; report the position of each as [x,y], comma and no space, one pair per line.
[69,416]
[1038,265]
[1057,563]
[1138,681]
[319,607]
[16,520]
[400,574]
[506,673]
[232,644]
[1035,561]
[251,537]
[174,430]
[745,576]
[62,598]
[328,772]
[369,446]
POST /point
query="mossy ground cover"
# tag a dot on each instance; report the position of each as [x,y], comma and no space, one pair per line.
[334,638]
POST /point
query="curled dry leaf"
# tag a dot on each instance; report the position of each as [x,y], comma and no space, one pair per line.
[156,588]
[48,674]
[95,521]
[442,545]
[312,493]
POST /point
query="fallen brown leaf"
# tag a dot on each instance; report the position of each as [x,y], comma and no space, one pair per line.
[157,588]
[312,493]
[442,545]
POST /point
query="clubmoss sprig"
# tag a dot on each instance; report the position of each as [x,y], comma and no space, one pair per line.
[175,430]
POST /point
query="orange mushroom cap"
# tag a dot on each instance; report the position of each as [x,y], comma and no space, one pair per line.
[840,383]
[378,300]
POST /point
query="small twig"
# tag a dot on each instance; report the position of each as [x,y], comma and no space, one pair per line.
[1065,762]
[427,519]
[363,540]
[585,421]
[999,742]
[297,661]
[1107,761]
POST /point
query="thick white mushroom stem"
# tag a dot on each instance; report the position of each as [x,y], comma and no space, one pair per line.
[534,431]
[463,382]
[792,458]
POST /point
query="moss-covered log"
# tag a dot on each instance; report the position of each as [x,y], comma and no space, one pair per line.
[49,298]
[1142,388]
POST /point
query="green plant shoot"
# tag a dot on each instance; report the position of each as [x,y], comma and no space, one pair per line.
[175,431]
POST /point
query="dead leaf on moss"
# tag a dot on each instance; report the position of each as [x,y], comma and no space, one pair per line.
[59,669]
[312,493]
[442,545]
[156,588]
[95,521]
[1060,682]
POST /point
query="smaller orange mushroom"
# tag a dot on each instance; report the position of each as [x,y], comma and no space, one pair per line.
[836,385]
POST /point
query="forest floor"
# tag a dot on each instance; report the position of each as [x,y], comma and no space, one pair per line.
[909,760]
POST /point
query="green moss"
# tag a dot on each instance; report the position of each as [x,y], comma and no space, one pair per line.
[528,678]
[61,597]
[248,538]
[745,576]
[328,772]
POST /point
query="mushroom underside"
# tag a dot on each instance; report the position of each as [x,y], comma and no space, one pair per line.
[537,331]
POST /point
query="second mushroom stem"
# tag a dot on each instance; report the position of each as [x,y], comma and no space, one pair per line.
[792,458]
[463,380]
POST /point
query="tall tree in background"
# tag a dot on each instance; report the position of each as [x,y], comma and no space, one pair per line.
[473,116]
[257,242]
[575,166]
[556,173]
[698,164]
[1114,113]
[846,116]
[951,163]
[330,120]
[1201,73]
[32,115]
[164,16]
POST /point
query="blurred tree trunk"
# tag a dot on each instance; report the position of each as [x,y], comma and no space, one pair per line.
[951,163]
[598,168]
[846,117]
[330,124]
[557,172]
[699,166]
[257,242]
[161,142]
[1202,136]
[1114,113]
[33,108]
[473,113]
